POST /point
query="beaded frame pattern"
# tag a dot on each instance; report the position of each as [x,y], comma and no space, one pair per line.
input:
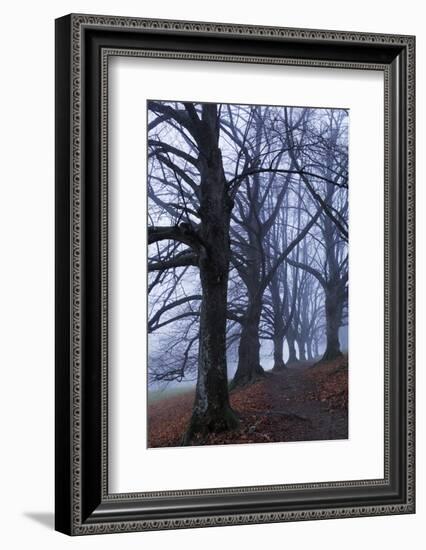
[78,22]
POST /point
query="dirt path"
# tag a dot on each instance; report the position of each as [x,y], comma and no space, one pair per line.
[294,393]
[297,404]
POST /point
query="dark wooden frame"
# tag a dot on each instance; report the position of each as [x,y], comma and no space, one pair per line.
[83,45]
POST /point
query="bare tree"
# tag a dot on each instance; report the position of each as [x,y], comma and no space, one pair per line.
[332,265]
[206,245]
[239,197]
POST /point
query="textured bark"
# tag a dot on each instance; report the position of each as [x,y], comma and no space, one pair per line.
[292,357]
[278,353]
[333,312]
[249,368]
[211,410]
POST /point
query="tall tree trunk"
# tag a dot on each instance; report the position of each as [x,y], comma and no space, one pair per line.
[333,314]
[278,352]
[211,409]
[315,346]
[309,350]
[301,346]
[292,357]
[249,368]
[279,330]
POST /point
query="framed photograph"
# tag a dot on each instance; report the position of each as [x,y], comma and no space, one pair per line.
[234,274]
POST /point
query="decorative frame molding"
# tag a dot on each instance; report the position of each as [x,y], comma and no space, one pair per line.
[84,44]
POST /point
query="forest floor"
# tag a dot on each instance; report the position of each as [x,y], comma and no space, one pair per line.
[301,403]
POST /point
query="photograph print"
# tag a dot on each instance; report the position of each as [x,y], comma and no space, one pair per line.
[247,273]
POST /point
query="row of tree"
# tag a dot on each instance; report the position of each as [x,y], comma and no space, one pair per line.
[247,234]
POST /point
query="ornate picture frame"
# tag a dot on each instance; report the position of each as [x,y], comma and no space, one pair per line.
[84,45]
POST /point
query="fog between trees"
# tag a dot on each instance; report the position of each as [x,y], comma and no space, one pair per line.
[247,245]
